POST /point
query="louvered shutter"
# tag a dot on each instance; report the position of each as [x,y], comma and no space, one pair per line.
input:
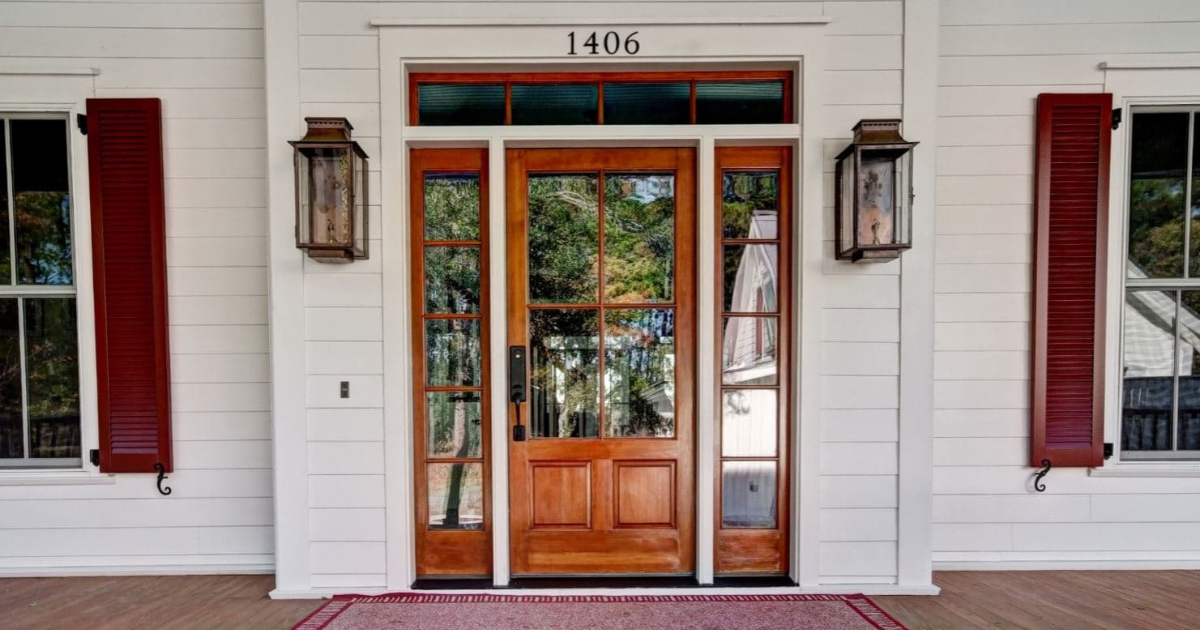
[1070,236]
[129,269]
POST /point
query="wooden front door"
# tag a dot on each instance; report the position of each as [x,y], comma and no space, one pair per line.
[601,295]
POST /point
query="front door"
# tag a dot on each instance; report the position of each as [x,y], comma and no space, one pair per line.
[601,299]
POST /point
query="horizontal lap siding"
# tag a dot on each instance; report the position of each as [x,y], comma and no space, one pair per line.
[205,62]
[996,58]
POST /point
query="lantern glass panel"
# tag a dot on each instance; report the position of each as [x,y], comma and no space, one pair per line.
[304,187]
[845,176]
[330,196]
[359,212]
[903,188]
[876,220]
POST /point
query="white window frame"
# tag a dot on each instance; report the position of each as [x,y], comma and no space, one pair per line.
[63,91]
[22,292]
[1134,85]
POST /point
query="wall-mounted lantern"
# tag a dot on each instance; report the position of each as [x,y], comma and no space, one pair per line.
[331,192]
[873,194]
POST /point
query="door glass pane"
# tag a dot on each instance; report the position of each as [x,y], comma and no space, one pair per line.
[639,373]
[52,361]
[1188,438]
[41,201]
[1194,246]
[455,496]
[454,420]
[452,279]
[748,352]
[748,494]
[452,207]
[639,238]
[748,423]
[739,102]
[1158,159]
[460,104]
[454,352]
[647,103]
[750,278]
[550,104]
[750,204]
[564,238]
[5,253]
[564,397]
[1149,343]
[12,438]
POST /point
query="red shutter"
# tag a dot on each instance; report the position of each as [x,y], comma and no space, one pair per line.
[129,269]
[1070,236]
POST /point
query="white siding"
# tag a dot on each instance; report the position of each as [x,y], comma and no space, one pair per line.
[996,58]
[205,62]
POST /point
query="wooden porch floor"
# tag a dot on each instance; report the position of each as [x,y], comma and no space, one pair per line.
[1101,600]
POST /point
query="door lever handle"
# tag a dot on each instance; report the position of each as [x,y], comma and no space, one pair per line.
[516,387]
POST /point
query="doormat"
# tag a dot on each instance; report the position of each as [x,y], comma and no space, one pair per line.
[412,611]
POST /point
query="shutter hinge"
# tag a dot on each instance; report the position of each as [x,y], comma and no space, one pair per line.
[1108,450]
[94,456]
[1116,118]
[81,122]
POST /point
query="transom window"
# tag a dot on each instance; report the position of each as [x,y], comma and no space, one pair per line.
[627,98]
[39,359]
[1160,415]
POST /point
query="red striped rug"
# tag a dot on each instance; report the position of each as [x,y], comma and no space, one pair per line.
[412,611]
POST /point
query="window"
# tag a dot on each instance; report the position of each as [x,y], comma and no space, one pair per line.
[1160,400]
[39,359]
[630,98]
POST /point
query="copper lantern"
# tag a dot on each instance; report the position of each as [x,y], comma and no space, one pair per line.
[873,194]
[331,192]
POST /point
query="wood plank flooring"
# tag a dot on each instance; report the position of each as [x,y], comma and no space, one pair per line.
[1080,600]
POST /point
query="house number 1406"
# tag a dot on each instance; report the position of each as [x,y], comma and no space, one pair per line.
[611,43]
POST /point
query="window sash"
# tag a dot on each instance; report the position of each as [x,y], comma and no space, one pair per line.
[22,292]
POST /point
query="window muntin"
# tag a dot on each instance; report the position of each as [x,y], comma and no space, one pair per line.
[634,98]
[39,356]
[1160,358]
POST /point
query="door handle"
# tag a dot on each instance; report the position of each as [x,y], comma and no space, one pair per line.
[516,387]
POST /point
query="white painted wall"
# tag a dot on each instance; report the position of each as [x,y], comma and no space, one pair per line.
[205,62]
[995,58]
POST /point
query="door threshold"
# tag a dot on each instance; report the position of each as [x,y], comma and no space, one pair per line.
[549,583]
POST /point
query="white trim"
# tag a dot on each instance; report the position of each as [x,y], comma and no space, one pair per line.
[289,438]
[29,477]
[807,285]
[835,589]
[914,543]
[498,296]
[1146,469]
[601,21]
[705,457]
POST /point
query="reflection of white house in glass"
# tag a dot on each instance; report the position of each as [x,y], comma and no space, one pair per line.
[1148,372]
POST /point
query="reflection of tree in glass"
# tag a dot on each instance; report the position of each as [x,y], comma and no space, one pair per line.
[452,207]
[12,438]
[745,195]
[1156,226]
[564,366]
[454,421]
[452,279]
[43,237]
[639,238]
[563,238]
[453,352]
[639,368]
[52,365]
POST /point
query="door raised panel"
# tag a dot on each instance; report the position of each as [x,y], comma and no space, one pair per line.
[561,494]
[645,494]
